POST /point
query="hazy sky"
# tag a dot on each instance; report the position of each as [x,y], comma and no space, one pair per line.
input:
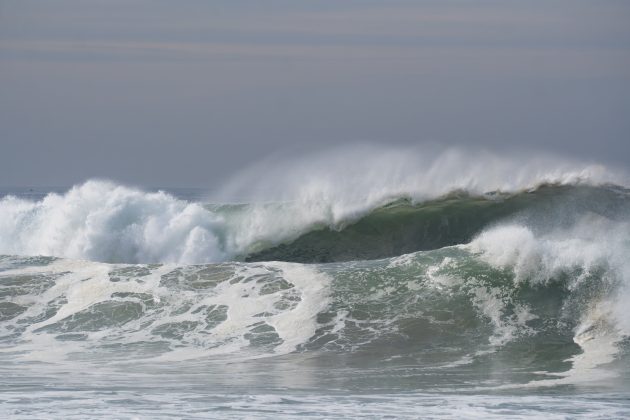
[183,93]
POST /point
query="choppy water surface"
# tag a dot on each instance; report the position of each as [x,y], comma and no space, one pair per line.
[116,302]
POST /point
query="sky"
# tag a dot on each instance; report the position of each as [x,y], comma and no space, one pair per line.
[187,93]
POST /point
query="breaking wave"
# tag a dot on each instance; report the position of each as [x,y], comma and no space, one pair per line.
[439,268]
[370,210]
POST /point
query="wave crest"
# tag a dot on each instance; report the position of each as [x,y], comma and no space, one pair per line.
[103,221]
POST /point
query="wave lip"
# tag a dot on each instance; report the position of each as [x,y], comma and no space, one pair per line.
[404,227]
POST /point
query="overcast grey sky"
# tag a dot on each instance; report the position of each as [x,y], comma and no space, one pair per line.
[184,93]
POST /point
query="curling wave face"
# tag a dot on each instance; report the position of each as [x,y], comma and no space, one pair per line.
[384,205]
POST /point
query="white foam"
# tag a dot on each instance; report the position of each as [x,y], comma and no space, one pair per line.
[248,306]
[248,292]
[102,221]
[295,327]
[594,245]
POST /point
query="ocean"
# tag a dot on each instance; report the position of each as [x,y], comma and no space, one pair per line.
[464,300]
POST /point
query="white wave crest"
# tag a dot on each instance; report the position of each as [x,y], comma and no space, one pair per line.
[102,221]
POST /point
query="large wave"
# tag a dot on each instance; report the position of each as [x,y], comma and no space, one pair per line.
[436,266]
[107,222]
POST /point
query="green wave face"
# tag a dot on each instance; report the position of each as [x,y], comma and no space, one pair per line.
[402,227]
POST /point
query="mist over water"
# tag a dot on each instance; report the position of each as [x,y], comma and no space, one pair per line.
[348,284]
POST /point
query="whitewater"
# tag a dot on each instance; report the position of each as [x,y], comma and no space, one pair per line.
[362,283]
